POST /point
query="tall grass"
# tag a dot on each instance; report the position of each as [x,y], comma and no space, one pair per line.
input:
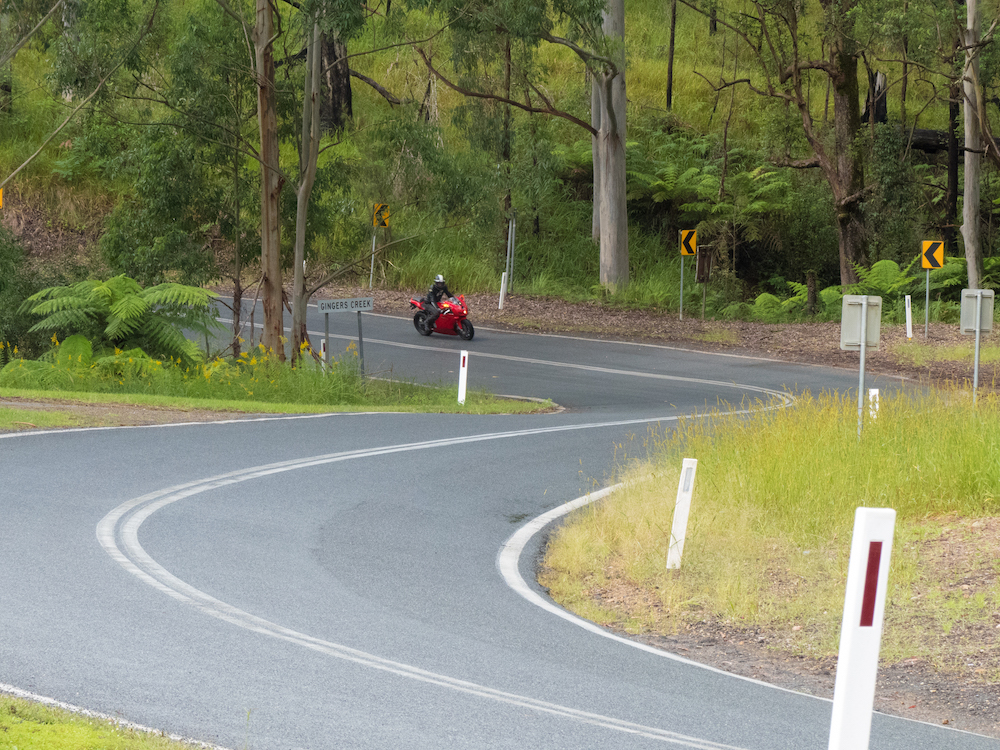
[772,517]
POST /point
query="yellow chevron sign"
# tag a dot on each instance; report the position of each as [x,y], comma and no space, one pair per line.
[689,242]
[932,254]
[380,218]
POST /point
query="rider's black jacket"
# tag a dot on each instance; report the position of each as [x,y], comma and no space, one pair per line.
[437,292]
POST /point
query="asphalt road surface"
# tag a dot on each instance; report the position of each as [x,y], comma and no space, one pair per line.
[366,580]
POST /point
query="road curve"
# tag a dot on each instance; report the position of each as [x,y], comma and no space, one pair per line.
[348,580]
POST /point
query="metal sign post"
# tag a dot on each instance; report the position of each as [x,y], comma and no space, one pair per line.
[860,327]
[977,318]
[380,218]
[356,304]
[689,246]
[931,256]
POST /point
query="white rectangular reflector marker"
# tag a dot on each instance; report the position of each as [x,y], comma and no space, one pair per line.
[682,508]
[861,629]
[463,376]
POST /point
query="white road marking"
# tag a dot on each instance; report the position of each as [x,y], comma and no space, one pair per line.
[508,565]
[118,532]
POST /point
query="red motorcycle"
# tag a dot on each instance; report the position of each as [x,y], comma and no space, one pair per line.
[452,321]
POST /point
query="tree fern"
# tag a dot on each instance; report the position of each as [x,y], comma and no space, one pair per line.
[119,313]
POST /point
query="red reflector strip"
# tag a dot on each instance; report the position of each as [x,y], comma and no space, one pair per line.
[463,361]
[871,585]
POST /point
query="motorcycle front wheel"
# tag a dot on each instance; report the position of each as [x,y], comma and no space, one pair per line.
[420,323]
[466,331]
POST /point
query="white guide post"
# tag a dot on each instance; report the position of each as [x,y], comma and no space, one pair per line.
[909,318]
[873,402]
[503,288]
[861,630]
[682,508]
[463,376]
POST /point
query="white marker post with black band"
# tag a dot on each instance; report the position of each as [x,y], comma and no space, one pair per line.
[682,509]
[463,376]
[861,629]
[358,305]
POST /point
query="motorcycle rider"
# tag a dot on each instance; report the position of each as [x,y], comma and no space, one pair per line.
[437,291]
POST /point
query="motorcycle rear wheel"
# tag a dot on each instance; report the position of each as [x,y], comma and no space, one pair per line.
[420,323]
[466,331]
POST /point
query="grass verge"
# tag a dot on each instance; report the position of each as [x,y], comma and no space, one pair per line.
[771,521]
[26,725]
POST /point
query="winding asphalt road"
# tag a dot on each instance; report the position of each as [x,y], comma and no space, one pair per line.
[365,580]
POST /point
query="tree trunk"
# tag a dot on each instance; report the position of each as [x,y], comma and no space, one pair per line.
[270,182]
[505,144]
[848,183]
[951,197]
[308,159]
[670,55]
[336,107]
[973,147]
[611,148]
[596,104]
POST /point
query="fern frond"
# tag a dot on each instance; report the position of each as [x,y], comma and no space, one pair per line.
[172,293]
[63,320]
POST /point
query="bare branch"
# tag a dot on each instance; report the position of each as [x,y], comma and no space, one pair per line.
[387,95]
[548,110]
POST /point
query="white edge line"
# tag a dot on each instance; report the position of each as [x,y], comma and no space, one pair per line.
[276,418]
[508,561]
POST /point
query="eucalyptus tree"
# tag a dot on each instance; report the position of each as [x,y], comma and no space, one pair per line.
[531,25]
[293,25]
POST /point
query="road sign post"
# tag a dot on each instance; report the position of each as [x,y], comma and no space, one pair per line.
[977,317]
[860,327]
[931,256]
[356,304]
[861,628]
[689,246]
[380,218]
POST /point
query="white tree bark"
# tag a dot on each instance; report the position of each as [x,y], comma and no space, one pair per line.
[613,214]
[973,148]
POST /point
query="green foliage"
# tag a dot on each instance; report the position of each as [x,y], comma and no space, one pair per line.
[119,313]
[886,280]
[16,284]
[160,228]
[892,211]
